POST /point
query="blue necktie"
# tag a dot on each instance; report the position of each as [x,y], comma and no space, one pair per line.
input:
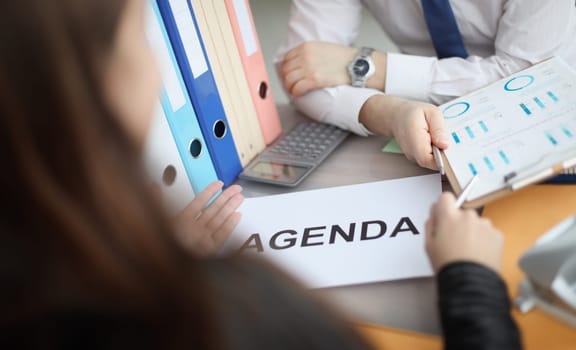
[443,29]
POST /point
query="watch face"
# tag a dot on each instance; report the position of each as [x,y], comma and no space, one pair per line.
[361,67]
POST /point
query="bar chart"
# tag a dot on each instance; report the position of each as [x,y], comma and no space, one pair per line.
[532,106]
[522,122]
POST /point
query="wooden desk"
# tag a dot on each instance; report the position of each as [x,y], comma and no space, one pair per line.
[407,304]
[523,217]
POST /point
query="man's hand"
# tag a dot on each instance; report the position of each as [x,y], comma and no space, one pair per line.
[316,65]
[415,125]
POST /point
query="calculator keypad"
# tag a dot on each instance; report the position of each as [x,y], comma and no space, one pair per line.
[309,142]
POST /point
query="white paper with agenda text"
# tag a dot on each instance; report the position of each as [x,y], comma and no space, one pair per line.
[393,214]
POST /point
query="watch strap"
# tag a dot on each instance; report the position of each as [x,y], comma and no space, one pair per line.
[364,53]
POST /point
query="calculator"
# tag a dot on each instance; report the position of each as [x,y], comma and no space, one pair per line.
[295,154]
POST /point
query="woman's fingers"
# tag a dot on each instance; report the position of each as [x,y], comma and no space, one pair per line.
[195,207]
[213,243]
[225,211]
[208,214]
[204,227]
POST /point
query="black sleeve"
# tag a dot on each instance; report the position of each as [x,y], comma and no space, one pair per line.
[475,309]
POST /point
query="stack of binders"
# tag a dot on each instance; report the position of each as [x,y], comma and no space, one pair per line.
[217,111]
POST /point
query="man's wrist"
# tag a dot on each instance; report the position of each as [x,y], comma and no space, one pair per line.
[378,80]
[361,67]
[377,114]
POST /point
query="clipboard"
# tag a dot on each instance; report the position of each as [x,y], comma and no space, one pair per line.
[514,132]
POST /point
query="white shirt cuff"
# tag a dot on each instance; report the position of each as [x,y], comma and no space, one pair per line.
[409,76]
[339,106]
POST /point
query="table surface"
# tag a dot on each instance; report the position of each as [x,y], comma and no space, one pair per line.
[408,304]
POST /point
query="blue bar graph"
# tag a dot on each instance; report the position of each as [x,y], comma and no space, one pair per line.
[551,139]
[567,132]
[469,132]
[456,138]
[483,126]
[504,157]
[525,109]
[472,168]
[489,163]
[552,96]
[539,102]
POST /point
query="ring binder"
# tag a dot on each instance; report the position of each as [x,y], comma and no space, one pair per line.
[216,30]
[180,116]
[254,68]
[164,165]
[190,53]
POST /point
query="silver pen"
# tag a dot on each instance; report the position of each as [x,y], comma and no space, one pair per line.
[438,159]
[466,191]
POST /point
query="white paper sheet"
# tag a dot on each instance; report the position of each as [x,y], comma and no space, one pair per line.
[397,254]
[526,121]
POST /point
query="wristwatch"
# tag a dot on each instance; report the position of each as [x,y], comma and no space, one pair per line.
[362,67]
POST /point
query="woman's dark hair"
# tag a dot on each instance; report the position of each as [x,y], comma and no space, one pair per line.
[79,227]
[87,257]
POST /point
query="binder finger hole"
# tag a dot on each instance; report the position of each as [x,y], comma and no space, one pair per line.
[195,148]
[169,175]
[220,129]
[263,90]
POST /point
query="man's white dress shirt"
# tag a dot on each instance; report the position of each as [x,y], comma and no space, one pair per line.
[501,37]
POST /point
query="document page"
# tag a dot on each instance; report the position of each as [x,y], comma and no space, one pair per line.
[520,123]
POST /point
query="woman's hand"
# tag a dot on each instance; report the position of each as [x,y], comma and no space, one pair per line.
[454,235]
[205,227]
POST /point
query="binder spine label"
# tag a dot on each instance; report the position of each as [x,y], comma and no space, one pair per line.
[189,35]
[248,35]
[170,80]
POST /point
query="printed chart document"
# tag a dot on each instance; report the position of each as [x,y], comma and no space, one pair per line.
[342,235]
[519,130]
